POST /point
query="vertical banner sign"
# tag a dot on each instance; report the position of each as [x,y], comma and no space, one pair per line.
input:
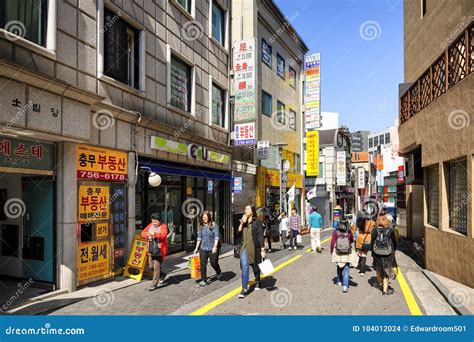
[119,223]
[360,178]
[93,203]
[401,174]
[312,153]
[379,162]
[341,168]
[93,260]
[245,134]
[237,185]
[137,259]
[262,149]
[312,94]
[244,80]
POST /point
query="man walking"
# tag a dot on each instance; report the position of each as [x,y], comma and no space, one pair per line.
[295,227]
[315,224]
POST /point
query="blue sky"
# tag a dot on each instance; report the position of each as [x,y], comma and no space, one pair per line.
[361,46]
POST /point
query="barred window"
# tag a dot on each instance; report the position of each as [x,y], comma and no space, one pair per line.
[458,196]
[432,195]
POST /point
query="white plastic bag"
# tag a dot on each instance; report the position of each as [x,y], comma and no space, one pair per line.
[266,267]
[299,239]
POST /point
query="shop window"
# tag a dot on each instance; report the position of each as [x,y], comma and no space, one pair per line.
[266,104]
[292,77]
[218,23]
[280,66]
[25,18]
[121,50]
[292,117]
[281,117]
[266,53]
[219,97]
[181,84]
[458,197]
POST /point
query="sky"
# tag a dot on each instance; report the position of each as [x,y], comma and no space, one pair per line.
[361,46]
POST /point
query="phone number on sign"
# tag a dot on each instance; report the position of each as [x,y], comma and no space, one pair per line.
[408,328]
[101,176]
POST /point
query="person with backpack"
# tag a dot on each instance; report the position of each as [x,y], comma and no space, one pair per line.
[341,250]
[208,241]
[384,245]
[315,225]
[364,225]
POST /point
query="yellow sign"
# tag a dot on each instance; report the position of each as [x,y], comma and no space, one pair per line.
[360,157]
[93,203]
[312,153]
[272,178]
[98,163]
[137,260]
[102,230]
[260,200]
[93,260]
[290,156]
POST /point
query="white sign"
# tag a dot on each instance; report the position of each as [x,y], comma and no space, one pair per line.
[245,134]
[244,80]
[360,178]
[341,170]
[312,94]
[262,149]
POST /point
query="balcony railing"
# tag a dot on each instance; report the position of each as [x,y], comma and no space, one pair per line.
[456,62]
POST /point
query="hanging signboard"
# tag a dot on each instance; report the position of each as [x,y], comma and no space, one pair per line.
[137,259]
[98,163]
[262,149]
[341,170]
[237,185]
[93,203]
[245,134]
[93,260]
[312,94]
[26,154]
[312,153]
[244,80]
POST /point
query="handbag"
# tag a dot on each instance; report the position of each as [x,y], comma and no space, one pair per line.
[266,267]
[154,247]
[237,252]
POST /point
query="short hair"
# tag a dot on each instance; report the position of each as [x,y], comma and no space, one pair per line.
[315,208]
[294,208]
[155,216]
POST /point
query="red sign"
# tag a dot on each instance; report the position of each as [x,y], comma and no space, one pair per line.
[401,174]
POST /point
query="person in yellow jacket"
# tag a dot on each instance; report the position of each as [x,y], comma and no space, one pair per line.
[364,225]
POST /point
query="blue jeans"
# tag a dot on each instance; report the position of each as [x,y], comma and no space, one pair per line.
[244,265]
[343,275]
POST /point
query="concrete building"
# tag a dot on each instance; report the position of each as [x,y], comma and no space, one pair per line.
[436,133]
[380,138]
[95,96]
[360,141]
[277,116]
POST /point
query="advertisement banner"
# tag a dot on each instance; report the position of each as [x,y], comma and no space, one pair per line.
[245,134]
[401,174]
[237,185]
[262,149]
[341,171]
[312,153]
[360,178]
[379,162]
[360,157]
[93,203]
[97,163]
[93,260]
[244,80]
[312,93]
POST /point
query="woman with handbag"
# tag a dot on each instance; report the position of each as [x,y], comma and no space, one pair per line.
[252,250]
[157,248]
[208,246]
[365,226]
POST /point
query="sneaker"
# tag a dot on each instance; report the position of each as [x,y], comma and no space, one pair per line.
[202,283]
[289,248]
[362,274]
[318,249]
[162,278]
[269,250]
[339,284]
[152,288]
[220,277]
[344,289]
[258,286]
[295,247]
[243,293]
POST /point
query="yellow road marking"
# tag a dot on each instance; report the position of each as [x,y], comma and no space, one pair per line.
[324,241]
[409,297]
[229,295]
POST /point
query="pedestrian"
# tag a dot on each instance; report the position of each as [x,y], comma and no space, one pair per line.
[295,227]
[315,224]
[365,225]
[341,251]
[384,245]
[208,246]
[283,228]
[157,248]
[252,250]
[267,230]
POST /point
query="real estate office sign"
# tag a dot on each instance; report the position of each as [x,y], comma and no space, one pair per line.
[244,80]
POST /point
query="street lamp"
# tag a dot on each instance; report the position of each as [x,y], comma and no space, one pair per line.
[154,179]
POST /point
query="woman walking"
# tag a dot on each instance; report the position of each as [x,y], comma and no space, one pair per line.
[157,248]
[252,251]
[341,249]
[208,241]
[384,245]
[283,228]
[365,225]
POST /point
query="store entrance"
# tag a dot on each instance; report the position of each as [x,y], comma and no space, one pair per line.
[27,227]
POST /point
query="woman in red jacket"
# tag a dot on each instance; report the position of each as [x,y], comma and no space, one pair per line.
[157,248]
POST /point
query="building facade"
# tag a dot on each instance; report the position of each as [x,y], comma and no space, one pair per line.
[436,136]
[96,95]
[360,141]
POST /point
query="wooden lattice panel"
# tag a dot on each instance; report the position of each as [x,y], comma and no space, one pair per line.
[425,95]
[439,77]
[457,59]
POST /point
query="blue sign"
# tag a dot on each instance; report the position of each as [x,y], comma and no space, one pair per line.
[210,186]
[237,185]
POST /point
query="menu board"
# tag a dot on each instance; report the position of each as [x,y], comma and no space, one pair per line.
[119,223]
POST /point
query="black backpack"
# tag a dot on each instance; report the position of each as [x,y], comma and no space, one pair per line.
[383,244]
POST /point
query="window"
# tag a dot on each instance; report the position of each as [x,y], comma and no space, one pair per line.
[218,106]
[121,50]
[321,170]
[25,18]
[458,197]
[423,8]
[218,23]
[432,195]
[292,123]
[180,84]
[266,53]
[281,117]
[186,4]
[381,139]
[280,66]
[376,141]
[266,104]
[371,142]
[387,138]
[292,77]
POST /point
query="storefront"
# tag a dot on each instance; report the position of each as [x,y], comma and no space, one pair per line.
[102,219]
[27,214]
[184,193]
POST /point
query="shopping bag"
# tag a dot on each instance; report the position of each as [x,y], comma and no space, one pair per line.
[195,266]
[299,239]
[266,267]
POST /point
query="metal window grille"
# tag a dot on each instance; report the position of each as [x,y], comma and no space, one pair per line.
[458,196]
[432,192]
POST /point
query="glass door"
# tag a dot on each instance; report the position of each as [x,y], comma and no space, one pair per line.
[173,218]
